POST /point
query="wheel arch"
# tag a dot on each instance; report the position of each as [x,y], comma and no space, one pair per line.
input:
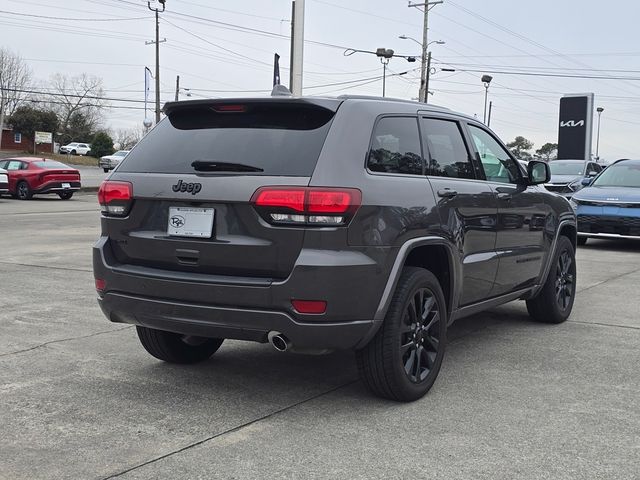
[432,253]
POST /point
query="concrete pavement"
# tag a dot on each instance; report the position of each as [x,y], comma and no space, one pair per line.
[79,397]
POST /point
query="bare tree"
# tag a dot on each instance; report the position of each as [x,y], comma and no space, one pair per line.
[79,102]
[15,76]
[127,137]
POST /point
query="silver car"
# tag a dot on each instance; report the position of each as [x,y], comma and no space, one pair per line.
[109,162]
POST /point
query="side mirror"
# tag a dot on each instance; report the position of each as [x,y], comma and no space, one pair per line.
[538,172]
[592,173]
[587,181]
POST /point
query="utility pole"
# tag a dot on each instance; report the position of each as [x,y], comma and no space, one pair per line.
[177,86]
[427,6]
[157,42]
[426,85]
[297,47]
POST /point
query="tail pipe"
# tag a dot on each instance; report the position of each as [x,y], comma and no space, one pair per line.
[279,341]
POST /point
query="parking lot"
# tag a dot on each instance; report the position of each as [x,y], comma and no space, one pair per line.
[80,398]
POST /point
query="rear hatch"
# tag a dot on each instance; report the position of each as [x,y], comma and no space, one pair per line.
[193,177]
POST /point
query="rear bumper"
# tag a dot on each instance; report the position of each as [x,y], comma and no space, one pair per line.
[55,187]
[351,282]
[227,322]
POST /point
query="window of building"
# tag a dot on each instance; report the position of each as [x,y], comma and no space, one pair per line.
[17,137]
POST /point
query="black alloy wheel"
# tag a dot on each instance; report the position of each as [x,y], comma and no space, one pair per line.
[23,192]
[420,335]
[554,302]
[402,360]
[565,279]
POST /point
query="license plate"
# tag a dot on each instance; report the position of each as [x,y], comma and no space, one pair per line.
[66,185]
[190,222]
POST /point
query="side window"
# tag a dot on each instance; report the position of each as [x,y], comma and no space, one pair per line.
[395,147]
[3,164]
[448,155]
[496,162]
[14,165]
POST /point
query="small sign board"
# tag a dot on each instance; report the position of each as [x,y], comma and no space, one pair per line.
[44,137]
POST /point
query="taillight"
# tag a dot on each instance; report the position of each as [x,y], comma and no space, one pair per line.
[115,198]
[314,206]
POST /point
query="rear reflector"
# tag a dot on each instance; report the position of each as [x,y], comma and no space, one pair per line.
[319,206]
[309,306]
[101,284]
[115,197]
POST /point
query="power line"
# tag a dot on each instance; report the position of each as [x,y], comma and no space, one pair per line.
[73,18]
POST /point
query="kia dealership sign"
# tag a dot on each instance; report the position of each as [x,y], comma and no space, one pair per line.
[574,130]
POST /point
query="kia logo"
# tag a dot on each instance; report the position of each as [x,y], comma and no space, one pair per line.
[572,123]
[177,221]
[192,188]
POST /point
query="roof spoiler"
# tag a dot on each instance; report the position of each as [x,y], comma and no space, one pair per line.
[280,91]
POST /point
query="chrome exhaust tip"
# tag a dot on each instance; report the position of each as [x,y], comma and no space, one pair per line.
[279,341]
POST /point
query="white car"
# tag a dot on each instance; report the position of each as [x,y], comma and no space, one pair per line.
[4,181]
[75,148]
[109,162]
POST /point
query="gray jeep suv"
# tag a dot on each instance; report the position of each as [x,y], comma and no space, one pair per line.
[327,223]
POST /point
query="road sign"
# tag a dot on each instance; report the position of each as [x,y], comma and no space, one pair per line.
[44,137]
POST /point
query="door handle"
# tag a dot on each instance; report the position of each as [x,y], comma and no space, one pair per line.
[504,196]
[447,193]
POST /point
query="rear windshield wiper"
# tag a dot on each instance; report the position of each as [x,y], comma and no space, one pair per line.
[215,166]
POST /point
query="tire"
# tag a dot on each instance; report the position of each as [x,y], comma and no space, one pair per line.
[176,348]
[555,301]
[387,365]
[582,240]
[73,152]
[65,195]
[106,170]
[23,191]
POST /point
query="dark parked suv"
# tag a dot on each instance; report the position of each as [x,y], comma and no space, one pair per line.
[327,223]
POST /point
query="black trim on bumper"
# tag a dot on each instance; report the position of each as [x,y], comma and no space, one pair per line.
[235,323]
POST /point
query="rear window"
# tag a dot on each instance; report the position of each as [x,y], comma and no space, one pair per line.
[50,164]
[280,139]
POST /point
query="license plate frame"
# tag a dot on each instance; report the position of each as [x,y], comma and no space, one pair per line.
[194,222]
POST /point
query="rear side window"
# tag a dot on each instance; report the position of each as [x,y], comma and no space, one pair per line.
[395,147]
[50,164]
[448,154]
[281,139]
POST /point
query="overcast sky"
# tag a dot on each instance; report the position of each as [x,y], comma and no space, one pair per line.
[228,51]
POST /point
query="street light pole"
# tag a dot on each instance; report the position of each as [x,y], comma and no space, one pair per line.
[599,110]
[486,79]
[385,54]
[428,66]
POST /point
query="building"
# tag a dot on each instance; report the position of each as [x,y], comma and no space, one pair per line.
[13,140]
